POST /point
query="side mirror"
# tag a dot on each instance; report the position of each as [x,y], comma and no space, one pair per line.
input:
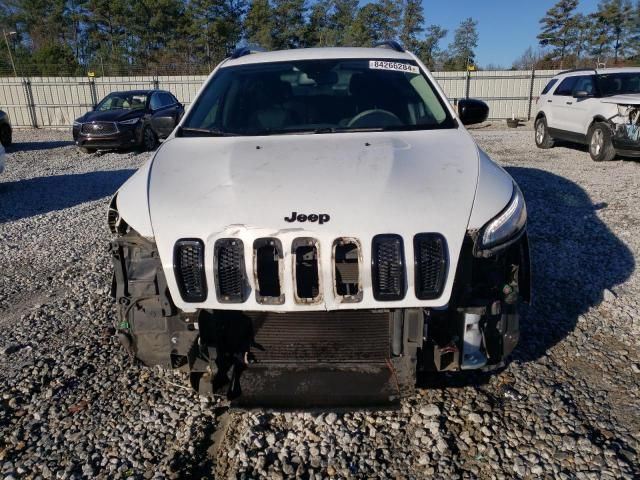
[472,111]
[582,94]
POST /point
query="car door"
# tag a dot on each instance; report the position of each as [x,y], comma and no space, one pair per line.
[559,105]
[578,111]
[163,113]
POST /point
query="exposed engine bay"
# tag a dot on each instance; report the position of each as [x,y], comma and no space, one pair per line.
[270,358]
[626,125]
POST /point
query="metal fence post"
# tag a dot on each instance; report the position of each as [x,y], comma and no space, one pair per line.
[468,84]
[533,77]
[92,91]
[156,83]
[31,105]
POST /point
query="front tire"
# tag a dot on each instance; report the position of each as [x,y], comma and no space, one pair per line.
[5,135]
[87,150]
[543,139]
[600,143]
[149,139]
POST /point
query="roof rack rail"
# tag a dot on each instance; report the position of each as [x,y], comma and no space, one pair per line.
[392,44]
[573,70]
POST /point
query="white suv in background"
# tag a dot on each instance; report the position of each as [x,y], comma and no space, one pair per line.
[599,108]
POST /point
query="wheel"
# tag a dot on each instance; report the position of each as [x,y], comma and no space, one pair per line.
[600,144]
[5,135]
[543,139]
[87,150]
[149,140]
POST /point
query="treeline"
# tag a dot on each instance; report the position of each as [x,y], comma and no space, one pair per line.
[66,36]
[609,36]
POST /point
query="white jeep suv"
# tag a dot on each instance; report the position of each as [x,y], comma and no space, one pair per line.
[598,108]
[320,228]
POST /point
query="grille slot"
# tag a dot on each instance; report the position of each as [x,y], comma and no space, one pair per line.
[99,128]
[231,277]
[188,263]
[388,267]
[305,254]
[430,265]
[346,253]
[267,254]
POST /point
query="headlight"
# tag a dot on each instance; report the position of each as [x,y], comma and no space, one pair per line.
[504,228]
[76,124]
[132,121]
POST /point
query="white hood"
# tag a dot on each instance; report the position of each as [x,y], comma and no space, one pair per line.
[630,99]
[367,183]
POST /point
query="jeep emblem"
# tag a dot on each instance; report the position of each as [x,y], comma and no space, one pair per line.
[312,217]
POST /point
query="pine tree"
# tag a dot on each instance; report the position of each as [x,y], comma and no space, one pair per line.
[412,25]
[462,51]
[289,25]
[215,27]
[617,16]
[106,34]
[376,22]
[429,50]
[344,14]
[258,24]
[320,31]
[558,28]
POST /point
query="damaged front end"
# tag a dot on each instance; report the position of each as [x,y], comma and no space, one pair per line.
[320,358]
[625,128]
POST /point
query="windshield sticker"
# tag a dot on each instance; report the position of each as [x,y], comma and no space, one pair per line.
[393,66]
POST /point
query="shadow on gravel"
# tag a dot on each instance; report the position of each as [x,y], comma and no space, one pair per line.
[574,258]
[35,196]
[34,146]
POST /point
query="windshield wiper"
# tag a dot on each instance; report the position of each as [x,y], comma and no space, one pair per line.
[204,132]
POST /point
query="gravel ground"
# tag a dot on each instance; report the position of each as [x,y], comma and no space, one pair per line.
[72,405]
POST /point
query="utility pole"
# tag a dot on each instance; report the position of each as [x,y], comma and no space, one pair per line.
[6,40]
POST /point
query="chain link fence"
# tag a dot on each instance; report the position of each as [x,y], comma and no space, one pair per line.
[56,100]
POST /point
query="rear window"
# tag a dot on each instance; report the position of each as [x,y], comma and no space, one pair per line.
[321,96]
[549,86]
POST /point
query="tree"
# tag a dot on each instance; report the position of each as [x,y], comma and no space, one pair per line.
[429,49]
[215,26]
[320,31]
[289,26]
[154,31]
[54,60]
[258,24]
[558,28]
[376,22]
[412,25]
[582,36]
[530,59]
[462,50]
[106,34]
[344,14]
[617,16]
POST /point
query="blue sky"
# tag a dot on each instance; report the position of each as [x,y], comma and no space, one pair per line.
[506,27]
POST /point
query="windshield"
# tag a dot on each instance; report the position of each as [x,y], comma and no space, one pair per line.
[317,96]
[619,83]
[123,101]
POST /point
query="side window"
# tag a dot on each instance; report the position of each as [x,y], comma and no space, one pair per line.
[549,86]
[166,99]
[565,88]
[585,84]
[155,102]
